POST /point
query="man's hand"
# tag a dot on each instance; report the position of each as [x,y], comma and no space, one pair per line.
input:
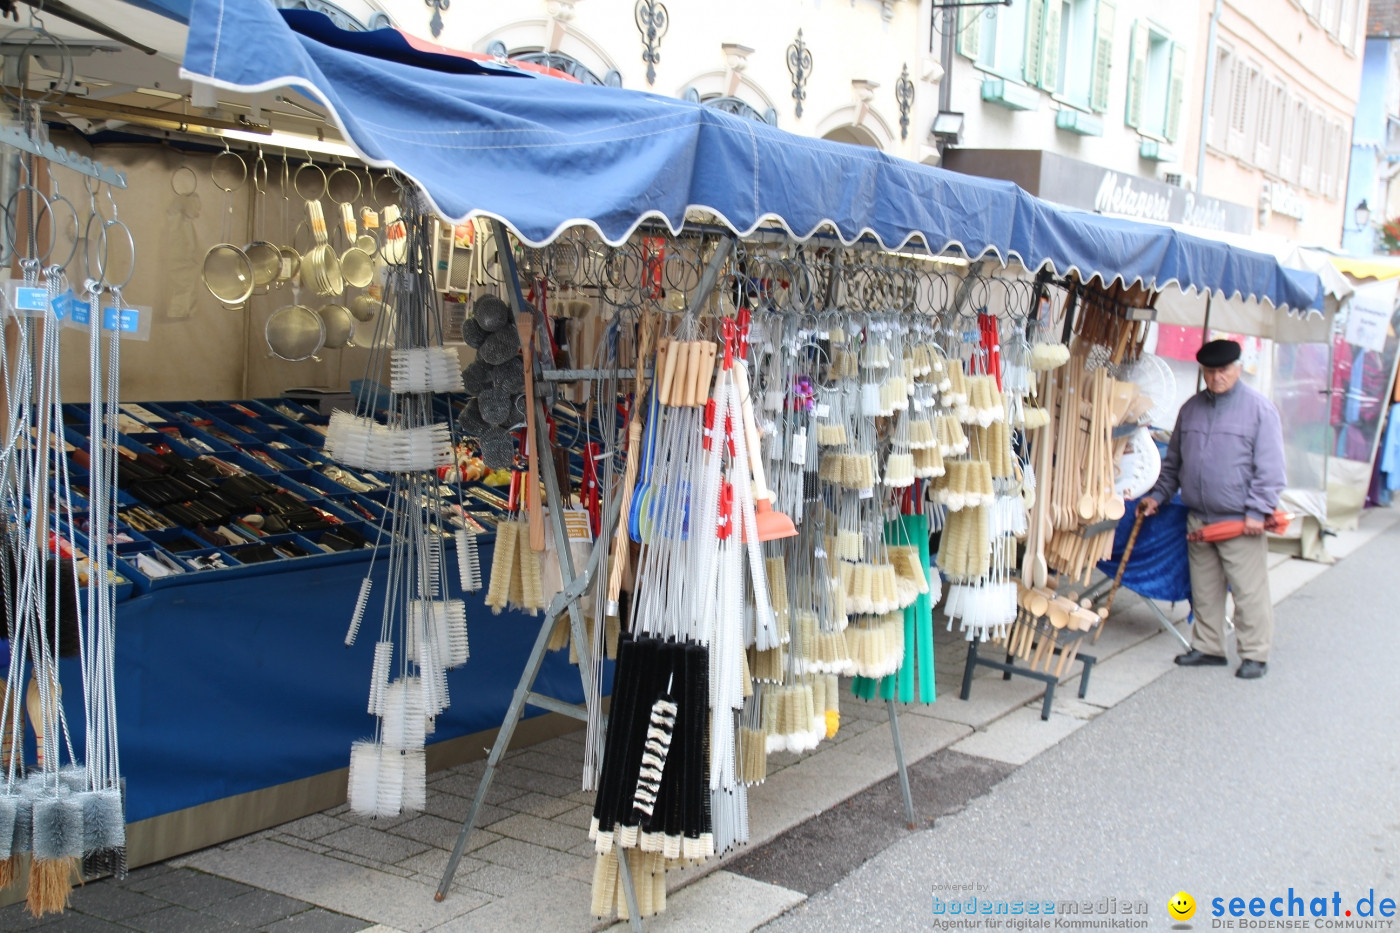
[1148,507]
[1253,526]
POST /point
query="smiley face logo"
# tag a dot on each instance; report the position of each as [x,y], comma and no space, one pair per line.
[1182,906]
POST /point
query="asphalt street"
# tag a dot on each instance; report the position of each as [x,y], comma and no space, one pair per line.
[1200,781]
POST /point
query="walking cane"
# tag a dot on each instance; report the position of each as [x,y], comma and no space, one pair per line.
[1118,577]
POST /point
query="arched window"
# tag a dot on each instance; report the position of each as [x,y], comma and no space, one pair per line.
[377,20]
[734,105]
[559,61]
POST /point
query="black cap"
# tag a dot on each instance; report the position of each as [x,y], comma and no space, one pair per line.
[1218,353]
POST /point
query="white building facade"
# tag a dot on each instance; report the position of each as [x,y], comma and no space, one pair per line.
[857,71]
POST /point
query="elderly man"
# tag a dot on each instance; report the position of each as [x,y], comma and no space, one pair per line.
[1226,457]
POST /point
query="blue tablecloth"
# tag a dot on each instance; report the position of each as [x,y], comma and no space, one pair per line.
[228,687]
[1158,568]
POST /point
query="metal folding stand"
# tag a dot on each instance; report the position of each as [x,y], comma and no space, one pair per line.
[899,764]
[1098,589]
[1010,668]
[574,587]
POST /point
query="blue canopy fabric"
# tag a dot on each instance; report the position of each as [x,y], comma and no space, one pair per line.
[543,155]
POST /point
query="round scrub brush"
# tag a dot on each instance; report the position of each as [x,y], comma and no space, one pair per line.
[469,419]
[510,376]
[473,335]
[491,313]
[499,347]
[476,377]
[497,406]
[497,448]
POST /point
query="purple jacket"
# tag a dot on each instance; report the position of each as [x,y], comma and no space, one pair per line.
[1226,456]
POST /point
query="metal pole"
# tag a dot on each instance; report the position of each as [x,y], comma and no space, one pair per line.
[899,764]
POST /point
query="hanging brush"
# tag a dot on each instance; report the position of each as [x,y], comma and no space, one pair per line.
[468,561]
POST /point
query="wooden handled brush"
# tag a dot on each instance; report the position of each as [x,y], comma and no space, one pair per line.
[525,323]
[634,452]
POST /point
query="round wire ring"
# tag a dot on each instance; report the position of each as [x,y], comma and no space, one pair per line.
[53,227]
[55,47]
[359,185]
[131,245]
[177,174]
[297,183]
[377,196]
[35,222]
[260,174]
[241,171]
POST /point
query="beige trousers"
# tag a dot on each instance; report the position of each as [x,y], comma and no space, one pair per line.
[1241,565]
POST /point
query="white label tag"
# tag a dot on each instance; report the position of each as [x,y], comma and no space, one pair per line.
[823,410]
[799,447]
[867,493]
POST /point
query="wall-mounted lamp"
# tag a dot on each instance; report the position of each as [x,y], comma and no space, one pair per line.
[1362,215]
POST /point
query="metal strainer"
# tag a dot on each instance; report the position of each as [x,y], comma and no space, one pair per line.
[295,333]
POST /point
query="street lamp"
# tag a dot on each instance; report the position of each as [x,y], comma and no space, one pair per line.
[1362,215]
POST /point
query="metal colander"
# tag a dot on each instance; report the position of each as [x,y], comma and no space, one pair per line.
[295,333]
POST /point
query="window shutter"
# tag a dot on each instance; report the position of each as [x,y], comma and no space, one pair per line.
[1176,87]
[1035,40]
[1251,114]
[1239,104]
[1220,97]
[1344,142]
[970,31]
[1050,47]
[1137,73]
[1103,54]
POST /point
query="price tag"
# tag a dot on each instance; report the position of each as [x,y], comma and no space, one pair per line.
[81,312]
[799,447]
[867,493]
[128,320]
[576,525]
[29,301]
[823,410]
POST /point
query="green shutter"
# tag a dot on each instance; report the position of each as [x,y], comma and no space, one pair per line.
[1103,54]
[1175,88]
[1137,73]
[970,31]
[1050,47]
[1035,39]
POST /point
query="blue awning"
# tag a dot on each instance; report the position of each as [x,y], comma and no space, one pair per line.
[544,154]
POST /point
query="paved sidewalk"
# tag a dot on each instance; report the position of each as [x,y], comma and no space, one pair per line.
[530,863]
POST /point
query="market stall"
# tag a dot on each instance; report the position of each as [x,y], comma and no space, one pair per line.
[710,278]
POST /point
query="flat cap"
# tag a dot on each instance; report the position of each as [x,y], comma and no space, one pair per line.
[1218,353]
